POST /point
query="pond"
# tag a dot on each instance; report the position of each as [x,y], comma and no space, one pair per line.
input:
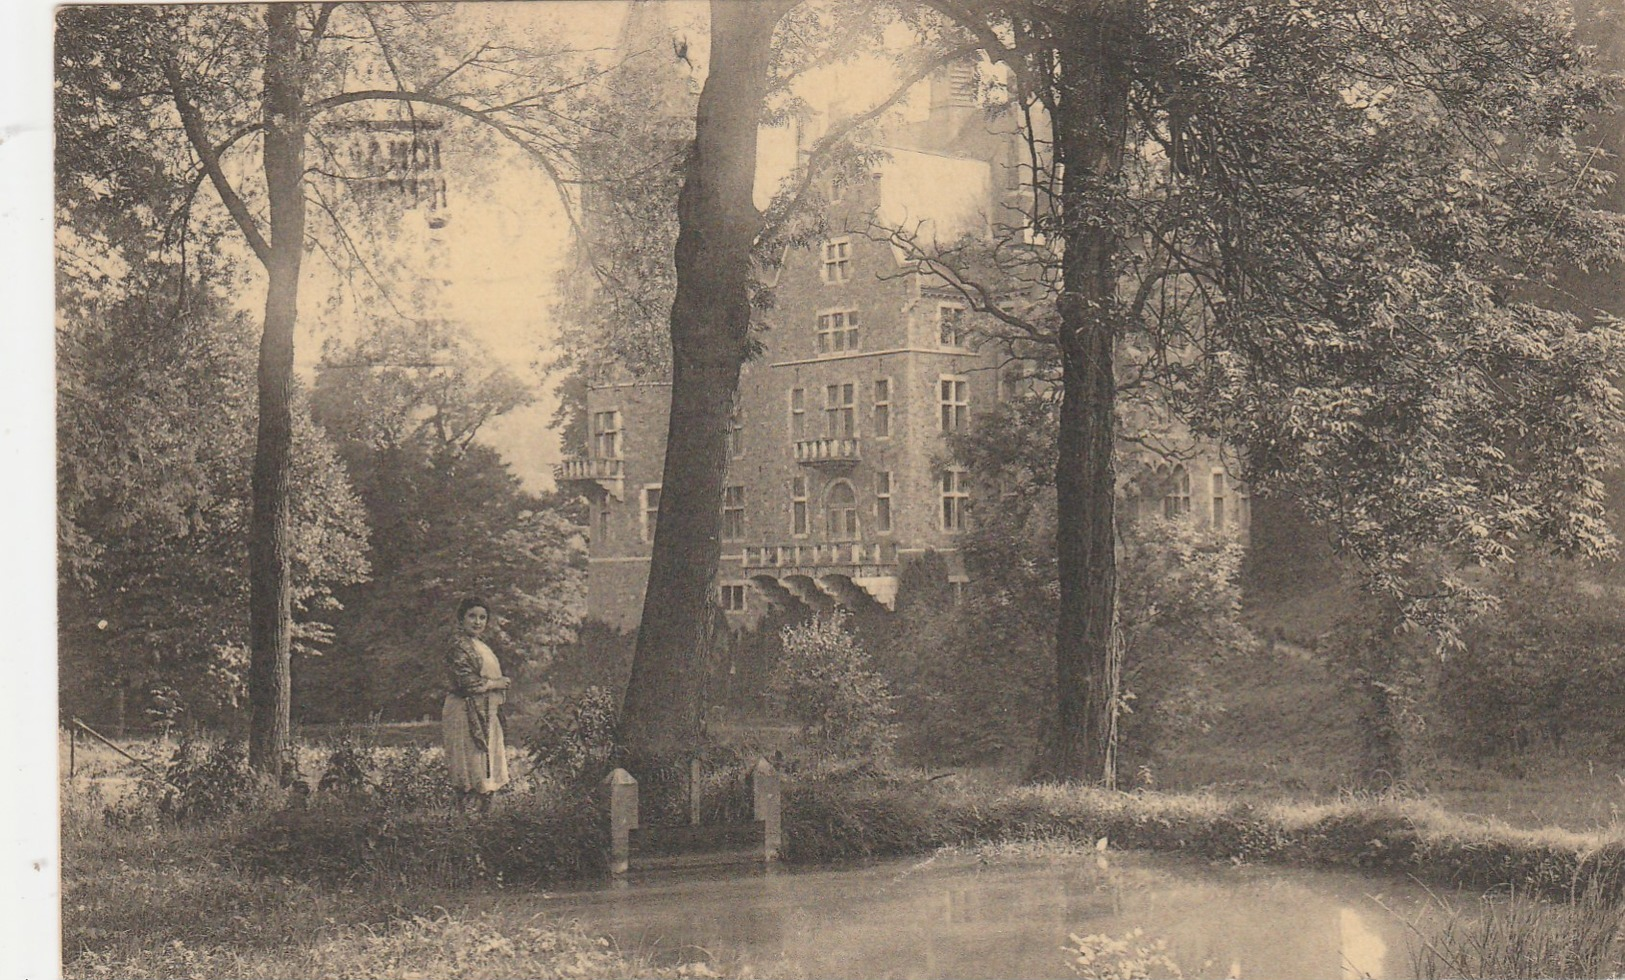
[1009,915]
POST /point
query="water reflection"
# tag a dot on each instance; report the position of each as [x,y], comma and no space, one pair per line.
[963,917]
[1363,948]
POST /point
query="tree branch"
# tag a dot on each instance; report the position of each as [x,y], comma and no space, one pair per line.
[508,132]
[786,204]
[198,136]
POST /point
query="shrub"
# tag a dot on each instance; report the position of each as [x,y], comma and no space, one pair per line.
[414,778]
[200,782]
[349,765]
[1546,665]
[830,818]
[547,843]
[574,737]
[825,682]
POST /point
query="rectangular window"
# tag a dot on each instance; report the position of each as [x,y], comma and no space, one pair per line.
[882,416]
[1012,380]
[837,331]
[954,399]
[837,260]
[798,506]
[955,496]
[951,330]
[883,502]
[840,410]
[1176,502]
[736,431]
[1219,515]
[731,596]
[651,510]
[733,513]
[603,526]
[798,414]
[606,434]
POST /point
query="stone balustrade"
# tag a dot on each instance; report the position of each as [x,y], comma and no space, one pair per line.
[841,554]
[830,449]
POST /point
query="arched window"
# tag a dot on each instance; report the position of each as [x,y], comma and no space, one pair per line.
[841,511]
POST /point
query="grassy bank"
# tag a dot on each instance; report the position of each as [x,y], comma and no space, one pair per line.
[835,819]
[844,815]
[384,882]
[199,901]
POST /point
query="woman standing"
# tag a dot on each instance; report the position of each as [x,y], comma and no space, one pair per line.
[475,752]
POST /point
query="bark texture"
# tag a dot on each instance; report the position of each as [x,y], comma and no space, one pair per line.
[710,326]
[1091,113]
[269,558]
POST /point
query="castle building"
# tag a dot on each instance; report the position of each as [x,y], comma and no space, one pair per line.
[838,474]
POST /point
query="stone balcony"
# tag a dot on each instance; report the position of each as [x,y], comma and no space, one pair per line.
[828,451]
[835,571]
[607,473]
[810,557]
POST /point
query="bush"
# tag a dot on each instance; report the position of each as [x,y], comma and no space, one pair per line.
[349,765]
[1546,665]
[574,737]
[200,782]
[831,817]
[549,842]
[414,778]
[825,682]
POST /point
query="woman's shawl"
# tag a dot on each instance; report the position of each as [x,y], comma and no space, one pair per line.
[464,665]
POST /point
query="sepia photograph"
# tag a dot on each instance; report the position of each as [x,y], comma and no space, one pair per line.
[1107,489]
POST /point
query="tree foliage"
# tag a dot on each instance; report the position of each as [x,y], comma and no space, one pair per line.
[155,437]
[250,102]
[825,681]
[1329,235]
[973,679]
[405,404]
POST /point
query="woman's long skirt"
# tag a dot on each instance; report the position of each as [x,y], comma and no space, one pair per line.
[473,769]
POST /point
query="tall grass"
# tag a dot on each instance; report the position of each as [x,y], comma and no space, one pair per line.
[1514,936]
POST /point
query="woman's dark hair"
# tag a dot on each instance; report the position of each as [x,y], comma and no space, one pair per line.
[471,602]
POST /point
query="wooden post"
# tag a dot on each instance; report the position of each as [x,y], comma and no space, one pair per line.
[73,746]
[766,806]
[619,799]
[694,791]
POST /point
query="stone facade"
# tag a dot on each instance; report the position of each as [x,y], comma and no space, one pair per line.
[836,478]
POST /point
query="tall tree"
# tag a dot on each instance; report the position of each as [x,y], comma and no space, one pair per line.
[154,422]
[710,339]
[237,79]
[723,240]
[406,404]
[1323,234]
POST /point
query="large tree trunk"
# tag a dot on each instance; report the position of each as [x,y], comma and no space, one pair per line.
[710,325]
[269,561]
[1090,116]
